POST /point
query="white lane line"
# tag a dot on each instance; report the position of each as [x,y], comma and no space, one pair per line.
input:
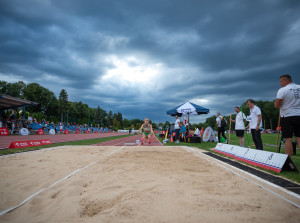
[57,182]
[245,178]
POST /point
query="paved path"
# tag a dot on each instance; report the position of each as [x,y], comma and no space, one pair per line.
[6,140]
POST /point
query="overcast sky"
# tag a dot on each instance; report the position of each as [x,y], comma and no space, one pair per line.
[143,58]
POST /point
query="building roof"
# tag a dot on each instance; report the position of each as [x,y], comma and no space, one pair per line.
[8,102]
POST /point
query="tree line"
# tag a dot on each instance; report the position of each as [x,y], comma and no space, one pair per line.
[60,109]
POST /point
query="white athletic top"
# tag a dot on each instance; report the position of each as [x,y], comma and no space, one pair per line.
[254,112]
[291,100]
[239,123]
[218,119]
[177,124]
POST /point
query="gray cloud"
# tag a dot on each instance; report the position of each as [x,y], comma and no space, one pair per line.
[144,57]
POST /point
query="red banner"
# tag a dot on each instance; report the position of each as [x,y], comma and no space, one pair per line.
[4,131]
[77,131]
[66,131]
[23,144]
[41,132]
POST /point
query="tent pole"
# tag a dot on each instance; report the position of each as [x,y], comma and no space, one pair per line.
[24,114]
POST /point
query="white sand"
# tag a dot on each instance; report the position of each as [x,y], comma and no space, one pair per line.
[137,184]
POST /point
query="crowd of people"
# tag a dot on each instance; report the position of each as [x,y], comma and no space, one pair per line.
[14,124]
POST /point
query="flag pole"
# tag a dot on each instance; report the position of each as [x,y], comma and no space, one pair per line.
[229,129]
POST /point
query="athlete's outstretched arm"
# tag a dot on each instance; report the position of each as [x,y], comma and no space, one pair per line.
[141,127]
[151,130]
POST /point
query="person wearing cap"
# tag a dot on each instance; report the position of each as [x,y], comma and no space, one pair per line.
[288,100]
[239,125]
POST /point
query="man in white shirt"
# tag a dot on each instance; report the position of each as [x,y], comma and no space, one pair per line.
[255,123]
[29,120]
[288,100]
[177,129]
[221,129]
[239,125]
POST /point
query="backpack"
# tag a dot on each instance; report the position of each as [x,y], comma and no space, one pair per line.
[223,122]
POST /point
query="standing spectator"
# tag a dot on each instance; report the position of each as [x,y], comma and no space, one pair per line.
[1,123]
[255,123]
[221,128]
[12,127]
[288,100]
[239,125]
[61,128]
[29,120]
[177,129]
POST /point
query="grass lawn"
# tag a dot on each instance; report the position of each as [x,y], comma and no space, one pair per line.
[269,141]
[77,143]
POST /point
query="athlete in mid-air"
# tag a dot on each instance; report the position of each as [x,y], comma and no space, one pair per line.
[147,131]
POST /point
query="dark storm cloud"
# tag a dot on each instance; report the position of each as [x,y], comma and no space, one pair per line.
[216,53]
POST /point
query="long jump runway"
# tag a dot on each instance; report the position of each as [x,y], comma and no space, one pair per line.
[131,141]
[135,184]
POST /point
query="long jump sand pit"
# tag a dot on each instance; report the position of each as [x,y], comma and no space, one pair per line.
[133,184]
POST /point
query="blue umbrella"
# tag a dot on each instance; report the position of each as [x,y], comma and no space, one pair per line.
[188,108]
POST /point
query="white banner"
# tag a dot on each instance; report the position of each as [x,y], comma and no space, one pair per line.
[127,131]
[209,135]
[24,132]
[264,159]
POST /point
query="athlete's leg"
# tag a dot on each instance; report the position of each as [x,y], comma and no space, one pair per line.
[143,138]
[149,138]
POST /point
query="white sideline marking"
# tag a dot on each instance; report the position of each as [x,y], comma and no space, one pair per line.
[57,182]
[245,178]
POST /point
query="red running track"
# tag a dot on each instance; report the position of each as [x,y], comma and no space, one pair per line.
[131,141]
[6,140]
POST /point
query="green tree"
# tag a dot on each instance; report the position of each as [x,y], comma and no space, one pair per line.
[110,118]
[63,103]
[46,99]
[211,121]
[16,89]
[154,126]
[98,116]
[167,125]
[126,123]
[120,119]
[12,89]
[3,87]
[116,125]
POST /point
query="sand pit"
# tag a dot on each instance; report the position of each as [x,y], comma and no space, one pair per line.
[135,184]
